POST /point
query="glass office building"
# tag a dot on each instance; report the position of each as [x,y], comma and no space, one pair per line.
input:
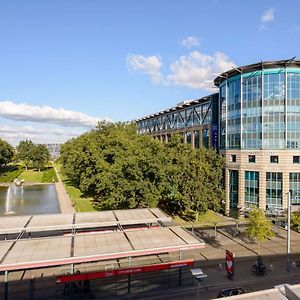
[256,118]
[196,121]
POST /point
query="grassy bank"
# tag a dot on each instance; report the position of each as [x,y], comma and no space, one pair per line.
[82,204]
[209,218]
[46,176]
[10,172]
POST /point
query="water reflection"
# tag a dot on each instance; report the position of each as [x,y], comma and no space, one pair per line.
[28,200]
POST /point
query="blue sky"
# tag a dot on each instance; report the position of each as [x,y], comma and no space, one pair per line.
[65,64]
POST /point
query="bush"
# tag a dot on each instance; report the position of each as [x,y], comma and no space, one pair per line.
[10,173]
[49,175]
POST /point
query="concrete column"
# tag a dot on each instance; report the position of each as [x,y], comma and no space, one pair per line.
[262,190]
[184,137]
[227,204]
[200,137]
[192,139]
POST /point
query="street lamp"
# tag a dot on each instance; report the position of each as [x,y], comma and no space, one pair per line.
[288,258]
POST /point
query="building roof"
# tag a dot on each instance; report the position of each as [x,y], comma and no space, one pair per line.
[58,240]
[179,106]
[255,67]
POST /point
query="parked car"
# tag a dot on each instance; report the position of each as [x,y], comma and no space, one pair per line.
[231,292]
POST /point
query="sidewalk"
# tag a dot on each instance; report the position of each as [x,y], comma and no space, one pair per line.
[65,203]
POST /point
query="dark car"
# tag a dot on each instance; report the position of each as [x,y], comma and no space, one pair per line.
[231,292]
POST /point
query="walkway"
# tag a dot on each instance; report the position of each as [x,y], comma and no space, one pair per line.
[65,203]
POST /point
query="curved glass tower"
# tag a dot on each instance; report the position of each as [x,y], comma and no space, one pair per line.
[259,134]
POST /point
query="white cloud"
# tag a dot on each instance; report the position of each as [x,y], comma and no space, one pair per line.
[190,41]
[196,69]
[49,134]
[268,16]
[46,114]
[150,65]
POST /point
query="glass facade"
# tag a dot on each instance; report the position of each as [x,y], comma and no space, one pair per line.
[251,189]
[274,111]
[252,112]
[293,110]
[234,115]
[181,118]
[273,190]
[233,189]
[205,137]
[295,188]
[223,113]
[261,110]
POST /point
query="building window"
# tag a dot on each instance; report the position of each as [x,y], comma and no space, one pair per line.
[205,138]
[296,159]
[251,189]
[233,158]
[169,137]
[274,159]
[182,137]
[196,139]
[295,188]
[273,191]
[189,137]
[233,189]
[251,158]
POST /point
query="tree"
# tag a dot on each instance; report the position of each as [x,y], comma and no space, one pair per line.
[6,152]
[259,226]
[122,169]
[193,180]
[25,152]
[295,220]
[40,157]
[33,156]
[116,166]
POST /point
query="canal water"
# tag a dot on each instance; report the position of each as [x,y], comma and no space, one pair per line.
[28,200]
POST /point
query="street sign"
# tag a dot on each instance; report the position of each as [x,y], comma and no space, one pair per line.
[229,263]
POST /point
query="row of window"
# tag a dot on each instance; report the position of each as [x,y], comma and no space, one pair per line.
[196,137]
[274,159]
[274,189]
[265,113]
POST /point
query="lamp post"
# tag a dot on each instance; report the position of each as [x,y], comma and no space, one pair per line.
[288,258]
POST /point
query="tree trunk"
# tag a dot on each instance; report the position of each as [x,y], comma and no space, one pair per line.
[197,216]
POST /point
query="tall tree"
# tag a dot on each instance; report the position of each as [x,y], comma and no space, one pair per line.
[34,156]
[6,152]
[259,226]
[40,157]
[25,152]
[122,169]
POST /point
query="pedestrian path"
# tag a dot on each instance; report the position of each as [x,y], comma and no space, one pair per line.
[65,203]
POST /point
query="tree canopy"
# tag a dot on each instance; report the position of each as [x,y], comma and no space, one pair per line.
[33,156]
[259,226]
[295,220]
[122,169]
[6,152]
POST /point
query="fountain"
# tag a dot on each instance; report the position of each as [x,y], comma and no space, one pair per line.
[21,199]
[8,201]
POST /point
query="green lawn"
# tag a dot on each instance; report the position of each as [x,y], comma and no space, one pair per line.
[10,172]
[209,218]
[31,176]
[82,204]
